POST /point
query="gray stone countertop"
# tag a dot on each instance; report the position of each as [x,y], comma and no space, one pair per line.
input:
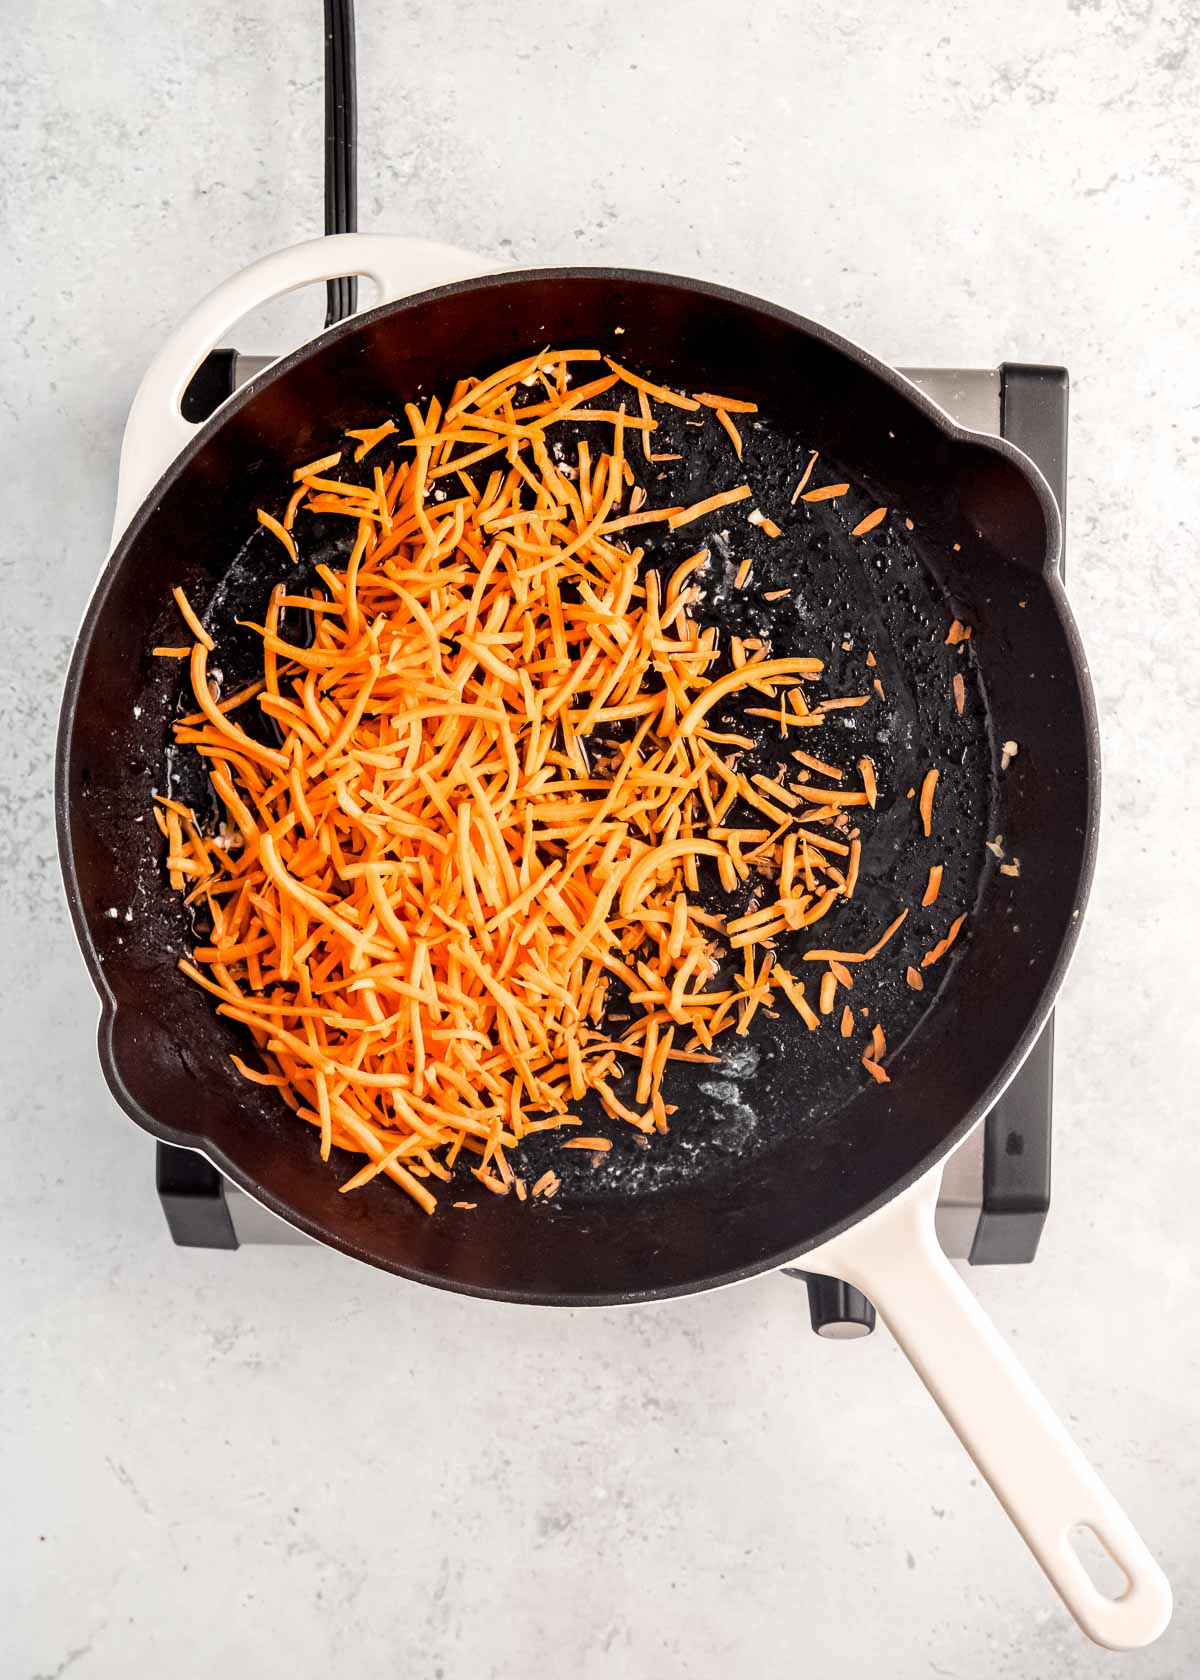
[277,1463]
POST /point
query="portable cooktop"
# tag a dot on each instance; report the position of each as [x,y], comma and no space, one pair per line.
[996,1187]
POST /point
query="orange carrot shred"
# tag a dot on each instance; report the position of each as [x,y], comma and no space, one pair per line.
[734,404]
[193,623]
[272,524]
[939,950]
[866,770]
[314,467]
[735,437]
[804,477]
[925,803]
[710,504]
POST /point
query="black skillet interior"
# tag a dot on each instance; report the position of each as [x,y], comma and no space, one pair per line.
[781,1145]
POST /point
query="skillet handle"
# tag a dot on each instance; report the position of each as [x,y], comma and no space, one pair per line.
[1039,1475]
[156,430]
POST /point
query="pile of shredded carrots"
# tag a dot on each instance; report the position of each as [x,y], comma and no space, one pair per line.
[499,802]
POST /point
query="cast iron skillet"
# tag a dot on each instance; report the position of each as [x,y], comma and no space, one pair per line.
[845,1176]
[166,1054]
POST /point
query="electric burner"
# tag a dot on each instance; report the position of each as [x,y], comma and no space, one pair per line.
[995,1190]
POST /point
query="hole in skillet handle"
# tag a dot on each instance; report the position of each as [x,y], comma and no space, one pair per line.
[213,381]
[1099,1564]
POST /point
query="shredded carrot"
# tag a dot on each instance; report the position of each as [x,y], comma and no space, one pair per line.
[315,467]
[869,523]
[369,436]
[294,500]
[957,633]
[913,976]
[193,623]
[171,652]
[735,437]
[934,885]
[853,868]
[660,392]
[272,524]
[866,770]
[939,950]
[794,991]
[826,493]
[749,673]
[734,404]
[818,764]
[804,478]
[709,505]
[886,935]
[451,904]
[684,571]
[858,956]
[767,526]
[925,803]
[960,692]
[743,573]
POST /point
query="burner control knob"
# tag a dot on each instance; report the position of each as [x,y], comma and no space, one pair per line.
[837,1310]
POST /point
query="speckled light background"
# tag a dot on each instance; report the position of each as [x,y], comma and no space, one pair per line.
[275,1463]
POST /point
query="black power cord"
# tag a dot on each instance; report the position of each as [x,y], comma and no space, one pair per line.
[341,143]
[216,377]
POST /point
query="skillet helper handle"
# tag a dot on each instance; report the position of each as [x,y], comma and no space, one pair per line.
[1035,1469]
[156,431]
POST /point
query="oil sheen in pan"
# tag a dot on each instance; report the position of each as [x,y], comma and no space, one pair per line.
[847,598]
